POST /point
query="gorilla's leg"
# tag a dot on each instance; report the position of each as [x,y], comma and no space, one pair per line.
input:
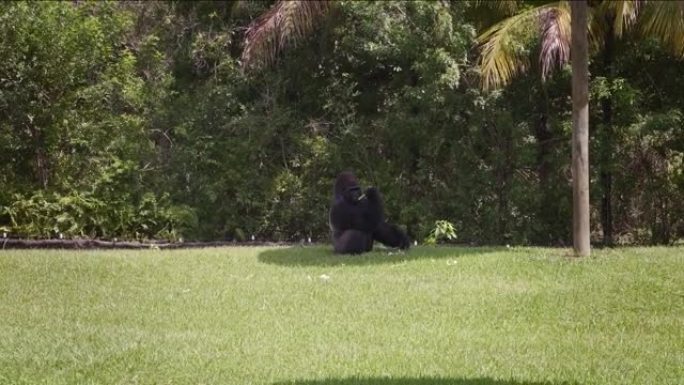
[391,235]
[353,242]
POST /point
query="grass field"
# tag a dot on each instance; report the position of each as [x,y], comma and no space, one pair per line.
[302,316]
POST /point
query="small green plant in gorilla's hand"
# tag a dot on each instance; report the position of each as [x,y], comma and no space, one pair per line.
[443,231]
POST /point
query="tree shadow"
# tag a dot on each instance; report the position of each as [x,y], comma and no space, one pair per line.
[324,256]
[417,381]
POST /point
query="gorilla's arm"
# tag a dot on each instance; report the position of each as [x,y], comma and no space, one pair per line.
[340,218]
[344,216]
[351,233]
[391,235]
[374,212]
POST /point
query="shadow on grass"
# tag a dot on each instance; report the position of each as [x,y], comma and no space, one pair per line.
[417,381]
[324,256]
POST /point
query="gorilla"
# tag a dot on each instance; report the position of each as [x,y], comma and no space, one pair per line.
[357,219]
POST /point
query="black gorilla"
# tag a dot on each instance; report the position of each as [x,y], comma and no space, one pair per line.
[357,219]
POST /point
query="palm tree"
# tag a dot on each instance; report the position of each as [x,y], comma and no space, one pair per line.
[502,58]
[284,24]
[580,129]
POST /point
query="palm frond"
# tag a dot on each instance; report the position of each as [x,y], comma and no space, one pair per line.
[505,7]
[623,14]
[612,18]
[664,21]
[485,13]
[555,38]
[597,30]
[503,54]
[286,23]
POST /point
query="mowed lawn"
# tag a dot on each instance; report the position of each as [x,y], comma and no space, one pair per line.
[302,316]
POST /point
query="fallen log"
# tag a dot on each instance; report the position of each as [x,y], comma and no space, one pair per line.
[13,243]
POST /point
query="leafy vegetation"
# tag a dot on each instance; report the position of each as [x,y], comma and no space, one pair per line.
[431,316]
[443,231]
[139,120]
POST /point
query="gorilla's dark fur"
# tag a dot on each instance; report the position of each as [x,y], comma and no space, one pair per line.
[357,219]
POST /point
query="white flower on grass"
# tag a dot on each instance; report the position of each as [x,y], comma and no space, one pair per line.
[324,277]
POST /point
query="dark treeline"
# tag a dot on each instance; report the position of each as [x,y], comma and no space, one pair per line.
[135,121]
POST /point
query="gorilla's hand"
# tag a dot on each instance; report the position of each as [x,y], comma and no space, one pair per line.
[374,207]
[372,194]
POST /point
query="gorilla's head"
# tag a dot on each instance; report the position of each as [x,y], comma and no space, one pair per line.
[347,188]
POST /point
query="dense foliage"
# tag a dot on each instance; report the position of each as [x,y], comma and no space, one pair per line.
[135,120]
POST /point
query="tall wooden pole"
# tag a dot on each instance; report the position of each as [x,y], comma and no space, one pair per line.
[580,128]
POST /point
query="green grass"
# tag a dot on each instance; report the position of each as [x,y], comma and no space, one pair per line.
[302,316]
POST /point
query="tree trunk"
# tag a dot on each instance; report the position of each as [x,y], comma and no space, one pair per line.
[504,137]
[606,175]
[547,203]
[580,129]
[41,160]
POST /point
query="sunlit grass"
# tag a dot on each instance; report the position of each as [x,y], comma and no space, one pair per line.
[304,316]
